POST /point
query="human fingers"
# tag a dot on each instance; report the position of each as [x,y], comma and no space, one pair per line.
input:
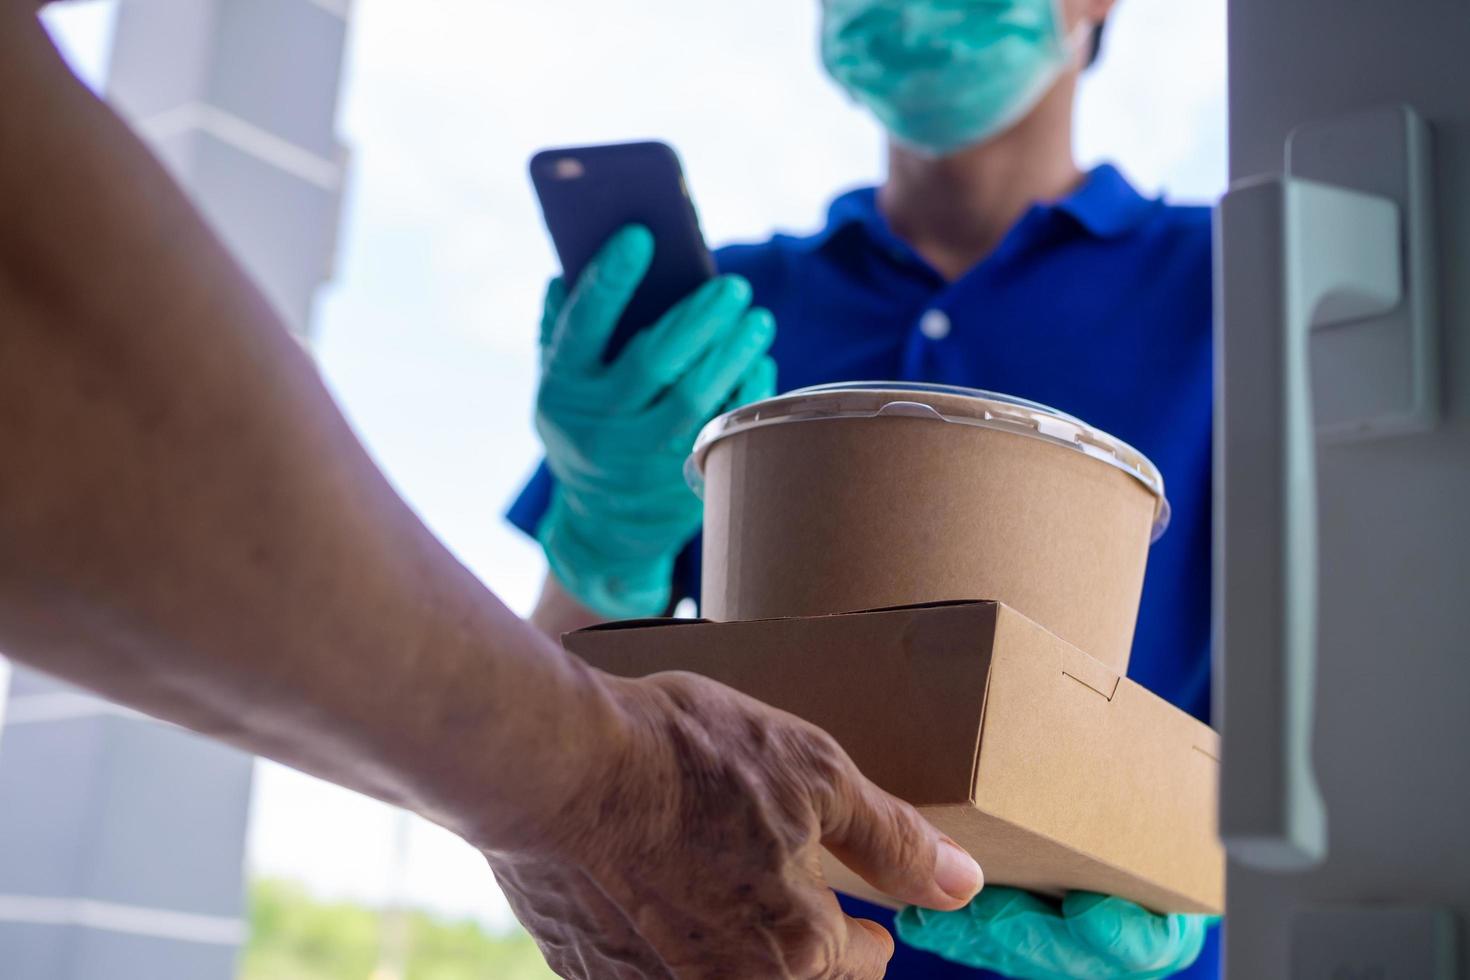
[894,849]
[869,948]
[582,934]
[822,943]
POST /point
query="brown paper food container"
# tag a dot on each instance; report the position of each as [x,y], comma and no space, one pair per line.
[1049,767]
[856,497]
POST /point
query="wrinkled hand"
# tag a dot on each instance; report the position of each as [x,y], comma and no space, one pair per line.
[1089,937]
[693,854]
[617,435]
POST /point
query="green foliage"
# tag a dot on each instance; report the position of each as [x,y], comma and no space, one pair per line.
[296,937]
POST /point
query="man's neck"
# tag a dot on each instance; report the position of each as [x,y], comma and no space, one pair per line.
[954,210]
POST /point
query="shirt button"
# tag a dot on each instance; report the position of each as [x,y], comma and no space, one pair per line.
[934,324]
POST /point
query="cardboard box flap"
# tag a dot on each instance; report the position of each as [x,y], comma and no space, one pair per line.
[852,675]
[1089,672]
[1065,781]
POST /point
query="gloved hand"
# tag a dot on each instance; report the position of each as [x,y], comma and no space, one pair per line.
[1090,937]
[616,435]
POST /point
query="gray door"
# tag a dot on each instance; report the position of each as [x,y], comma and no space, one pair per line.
[1375,881]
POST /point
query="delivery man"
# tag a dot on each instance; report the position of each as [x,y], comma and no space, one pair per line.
[188,526]
[985,259]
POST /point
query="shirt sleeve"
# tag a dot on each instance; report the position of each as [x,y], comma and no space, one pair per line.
[526,511]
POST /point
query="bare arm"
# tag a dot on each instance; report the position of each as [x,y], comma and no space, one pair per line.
[186,522]
[188,526]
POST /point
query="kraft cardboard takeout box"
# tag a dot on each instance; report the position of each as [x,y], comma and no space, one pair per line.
[1054,771]
[856,496]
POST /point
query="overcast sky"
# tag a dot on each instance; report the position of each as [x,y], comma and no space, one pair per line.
[427,335]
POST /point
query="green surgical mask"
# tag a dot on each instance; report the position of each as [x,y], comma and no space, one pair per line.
[941,75]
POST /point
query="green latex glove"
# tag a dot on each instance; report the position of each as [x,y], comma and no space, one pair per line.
[1090,937]
[616,435]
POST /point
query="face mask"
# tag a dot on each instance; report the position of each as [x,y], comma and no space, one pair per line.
[941,75]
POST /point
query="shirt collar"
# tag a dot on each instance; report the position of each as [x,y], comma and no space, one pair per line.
[856,209]
[1104,204]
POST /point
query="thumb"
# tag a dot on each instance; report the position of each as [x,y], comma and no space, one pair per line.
[895,850]
[556,298]
[597,299]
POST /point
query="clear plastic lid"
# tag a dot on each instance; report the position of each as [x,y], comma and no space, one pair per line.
[940,403]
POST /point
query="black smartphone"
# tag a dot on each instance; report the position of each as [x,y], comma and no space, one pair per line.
[588,192]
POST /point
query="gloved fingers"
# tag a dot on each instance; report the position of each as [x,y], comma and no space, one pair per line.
[1000,902]
[629,522]
[1100,921]
[597,300]
[618,590]
[588,418]
[1136,942]
[1031,938]
[759,382]
[697,396]
[939,930]
[616,452]
[1007,930]
[598,447]
[1195,929]
[657,357]
[639,513]
[955,935]
[997,912]
[1185,941]
[556,298]
[1103,921]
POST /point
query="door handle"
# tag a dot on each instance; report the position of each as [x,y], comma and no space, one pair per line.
[1293,256]
[1324,333]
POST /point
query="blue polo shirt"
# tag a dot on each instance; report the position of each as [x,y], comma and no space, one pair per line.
[1098,304]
